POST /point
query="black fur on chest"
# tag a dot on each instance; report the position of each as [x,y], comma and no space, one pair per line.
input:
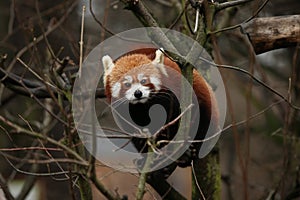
[167,111]
[160,109]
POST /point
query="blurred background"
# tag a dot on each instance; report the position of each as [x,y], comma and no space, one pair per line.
[259,152]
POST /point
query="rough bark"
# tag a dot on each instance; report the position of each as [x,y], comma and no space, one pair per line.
[270,33]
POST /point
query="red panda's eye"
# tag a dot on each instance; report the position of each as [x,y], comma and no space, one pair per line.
[127,84]
[143,81]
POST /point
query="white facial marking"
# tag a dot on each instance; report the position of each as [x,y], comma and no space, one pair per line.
[128,79]
[115,90]
[140,77]
[129,94]
[156,82]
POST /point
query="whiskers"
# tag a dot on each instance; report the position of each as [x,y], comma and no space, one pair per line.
[112,106]
[118,102]
[163,95]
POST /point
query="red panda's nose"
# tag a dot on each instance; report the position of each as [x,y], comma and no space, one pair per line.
[138,94]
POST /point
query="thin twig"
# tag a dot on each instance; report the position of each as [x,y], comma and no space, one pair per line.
[11,17]
[221,6]
[101,187]
[33,134]
[254,78]
[97,20]
[91,174]
[45,108]
[34,173]
[36,88]
[240,24]
[43,31]
[81,42]
[165,2]
[196,20]
[29,182]
[165,190]
[41,37]
[36,74]
[172,122]
[179,16]
[58,7]
[29,148]
[105,16]
[44,161]
[196,181]
[106,29]
[226,128]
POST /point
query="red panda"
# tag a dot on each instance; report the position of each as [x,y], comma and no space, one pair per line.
[137,79]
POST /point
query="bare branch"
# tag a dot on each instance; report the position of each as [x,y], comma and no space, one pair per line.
[141,12]
[101,187]
[270,33]
[35,173]
[81,41]
[172,122]
[41,37]
[255,79]
[36,74]
[194,176]
[226,128]
[43,161]
[165,190]
[33,87]
[97,20]
[143,177]
[33,134]
[28,183]
[247,20]
[11,18]
[5,189]
[221,6]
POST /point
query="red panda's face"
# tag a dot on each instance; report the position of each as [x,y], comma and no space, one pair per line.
[138,84]
[134,78]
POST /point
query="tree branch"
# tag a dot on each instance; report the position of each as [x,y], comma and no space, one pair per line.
[33,87]
[165,190]
[97,20]
[270,33]
[101,187]
[142,13]
[5,189]
[41,37]
[221,6]
[33,134]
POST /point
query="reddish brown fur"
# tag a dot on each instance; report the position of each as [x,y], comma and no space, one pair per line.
[202,90]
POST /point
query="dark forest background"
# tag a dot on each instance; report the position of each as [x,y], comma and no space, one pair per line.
[259,158]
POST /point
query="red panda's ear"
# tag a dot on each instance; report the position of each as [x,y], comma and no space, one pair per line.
[108,66]
[107,63]
[159,61]
[159,57]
